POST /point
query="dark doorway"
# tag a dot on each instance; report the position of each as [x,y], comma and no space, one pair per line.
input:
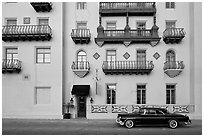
[81,111]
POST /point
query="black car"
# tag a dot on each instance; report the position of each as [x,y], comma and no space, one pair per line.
[152,116]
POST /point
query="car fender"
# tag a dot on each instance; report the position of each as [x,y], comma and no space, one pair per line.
[133,119]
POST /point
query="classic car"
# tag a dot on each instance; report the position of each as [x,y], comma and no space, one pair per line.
[152,116]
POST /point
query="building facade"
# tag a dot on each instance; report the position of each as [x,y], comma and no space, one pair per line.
[97,59]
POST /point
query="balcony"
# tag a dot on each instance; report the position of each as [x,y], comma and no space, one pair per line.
[173,35]
[127,37]
[127,67]
[42,6]
[81,68]
[9,65]
[132,8]
[173,68]
[26,32]
[81,36]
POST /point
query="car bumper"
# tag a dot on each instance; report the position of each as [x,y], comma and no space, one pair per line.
[119,121]
[187,123]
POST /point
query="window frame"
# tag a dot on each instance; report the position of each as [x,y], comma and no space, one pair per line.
[9,19]
[43,18]
[141,22]
[11,48]
[81,5]
[170,21]
[142,99]
[81,56]
[170,6]
[109,50]
[172,100]
[111,93]
[36,52]
[81,22]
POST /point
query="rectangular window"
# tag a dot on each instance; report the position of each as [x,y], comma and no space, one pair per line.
[81,25]
[43,21]
[43,55]
[141,94]
[81,5]
[12,21]
[170,94]
[170,24]
[141,58]
[170,5]
[111,58]
[26,20]
[111,55]
[11,53]
[140,27]
[111,26]
[111,94]
[42,95]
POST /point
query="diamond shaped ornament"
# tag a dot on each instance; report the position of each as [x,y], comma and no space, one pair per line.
[126,55]
[96,55]
[156,55]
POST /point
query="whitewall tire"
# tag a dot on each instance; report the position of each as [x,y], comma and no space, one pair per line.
[129,123]
[173,124]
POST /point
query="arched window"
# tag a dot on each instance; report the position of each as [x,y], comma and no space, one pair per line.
[81,56]
[171,59]
[170,56]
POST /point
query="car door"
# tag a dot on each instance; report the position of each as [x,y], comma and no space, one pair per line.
[151,116]
[161,118]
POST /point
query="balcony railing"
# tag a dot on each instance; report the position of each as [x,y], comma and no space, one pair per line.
[173,68]
[80,65]
[127,67]
[11,65]
[173,35]
[81,68]
[42,6]
[127,37]
[81,36]
[173,65]
[26,32]
[133,8]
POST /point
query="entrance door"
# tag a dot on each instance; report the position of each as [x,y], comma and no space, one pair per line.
[81,106]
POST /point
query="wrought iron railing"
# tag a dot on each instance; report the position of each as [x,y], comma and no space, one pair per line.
[80,65]
[174,32]
[173,65]
[26,29]
[127,5]
[114,33]
[133,33]
[11,64]
[141,33]
[128,65]
[81,33]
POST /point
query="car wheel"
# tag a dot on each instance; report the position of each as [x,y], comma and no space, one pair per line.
[173,124]
[129,123]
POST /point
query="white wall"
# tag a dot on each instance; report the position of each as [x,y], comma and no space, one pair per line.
[18,93]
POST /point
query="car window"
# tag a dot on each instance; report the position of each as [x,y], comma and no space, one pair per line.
[151,111]
[159,112]
[143,111]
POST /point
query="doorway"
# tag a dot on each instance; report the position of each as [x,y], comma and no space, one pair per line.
[81,109]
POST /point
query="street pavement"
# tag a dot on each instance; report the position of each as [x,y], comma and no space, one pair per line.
[90,127]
